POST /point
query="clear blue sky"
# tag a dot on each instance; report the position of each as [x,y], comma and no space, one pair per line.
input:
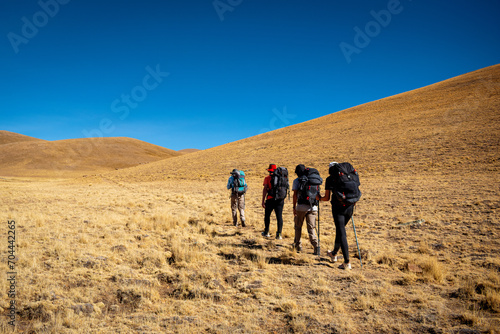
[201,73]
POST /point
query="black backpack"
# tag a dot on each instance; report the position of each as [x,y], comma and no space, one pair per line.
[239,184]
[309,186]
[345,183]
[279,183]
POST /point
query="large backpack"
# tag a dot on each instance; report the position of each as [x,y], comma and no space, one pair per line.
[345,183]
[309,186]
[279,183]
[239,184]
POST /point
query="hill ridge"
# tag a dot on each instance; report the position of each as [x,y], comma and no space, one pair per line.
[7,137]
[76,157]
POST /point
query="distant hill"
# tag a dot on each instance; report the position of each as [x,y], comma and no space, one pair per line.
[7,137]
[25,156]
[189,150]
[446,128]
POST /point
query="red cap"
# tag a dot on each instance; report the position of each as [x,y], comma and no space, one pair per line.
[272,168]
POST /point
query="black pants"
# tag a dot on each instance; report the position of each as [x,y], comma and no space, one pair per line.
[277,206]
[341,216]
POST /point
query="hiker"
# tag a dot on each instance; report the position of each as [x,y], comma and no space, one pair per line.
[342,209]
[238,186]
[273,198]
[305,206]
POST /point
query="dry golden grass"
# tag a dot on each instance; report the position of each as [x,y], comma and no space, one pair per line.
[151,249]
[188,150]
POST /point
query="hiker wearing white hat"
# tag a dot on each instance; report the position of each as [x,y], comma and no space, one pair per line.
[342,186]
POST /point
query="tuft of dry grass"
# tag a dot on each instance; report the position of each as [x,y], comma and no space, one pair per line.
[423,248]
[491,300]
[432,268]
[471,317]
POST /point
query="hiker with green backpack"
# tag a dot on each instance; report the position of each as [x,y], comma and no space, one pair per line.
[343,187]
[306,189]
[238,186]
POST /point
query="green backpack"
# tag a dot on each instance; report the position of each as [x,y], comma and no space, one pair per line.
[239,184]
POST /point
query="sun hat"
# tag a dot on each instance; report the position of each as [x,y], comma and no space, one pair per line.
[271,168]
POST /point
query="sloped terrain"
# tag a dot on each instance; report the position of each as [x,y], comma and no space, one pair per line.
[76,157]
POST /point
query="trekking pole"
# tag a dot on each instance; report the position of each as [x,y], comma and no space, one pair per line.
[354,227]
[319,247]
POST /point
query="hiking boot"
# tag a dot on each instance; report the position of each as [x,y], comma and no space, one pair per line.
[297,248]
[266,234]
[330,254]
[243,224]
[346,266]
[278,236]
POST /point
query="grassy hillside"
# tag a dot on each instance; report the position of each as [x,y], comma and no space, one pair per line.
[7,137]
[75,157]
[151,249]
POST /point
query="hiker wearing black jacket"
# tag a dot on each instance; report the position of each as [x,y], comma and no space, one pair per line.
[270,204]
[342,213]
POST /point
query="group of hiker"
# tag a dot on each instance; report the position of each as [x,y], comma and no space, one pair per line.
[341,188]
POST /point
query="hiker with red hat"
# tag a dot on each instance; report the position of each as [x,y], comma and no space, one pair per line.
[271,202]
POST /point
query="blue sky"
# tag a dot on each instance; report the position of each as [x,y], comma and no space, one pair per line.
[198,74]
